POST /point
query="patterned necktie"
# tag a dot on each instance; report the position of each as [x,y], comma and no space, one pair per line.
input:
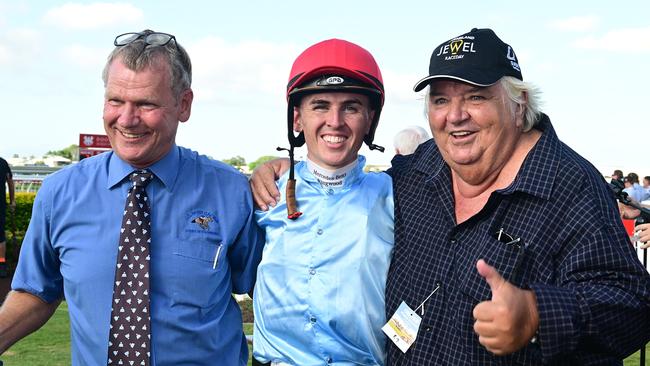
[129,338]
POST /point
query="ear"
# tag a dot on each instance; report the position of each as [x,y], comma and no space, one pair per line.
[521,109]
[185,104]
[297,125]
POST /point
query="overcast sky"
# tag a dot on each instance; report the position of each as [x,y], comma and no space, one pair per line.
[590,58]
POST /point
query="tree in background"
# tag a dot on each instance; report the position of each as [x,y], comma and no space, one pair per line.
[71,152]
[236,161]
[260,160]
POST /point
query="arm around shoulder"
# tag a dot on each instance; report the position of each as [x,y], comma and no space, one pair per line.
[21,314]
[262,181]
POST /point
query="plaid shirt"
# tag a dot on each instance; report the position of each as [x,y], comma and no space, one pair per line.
[593,295]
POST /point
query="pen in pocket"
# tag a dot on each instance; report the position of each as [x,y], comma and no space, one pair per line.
[216,257]
[518,263]
[517,243]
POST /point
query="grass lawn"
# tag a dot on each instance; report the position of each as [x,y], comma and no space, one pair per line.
[635,360]
[50,346]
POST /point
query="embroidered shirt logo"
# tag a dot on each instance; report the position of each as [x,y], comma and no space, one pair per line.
[203,221]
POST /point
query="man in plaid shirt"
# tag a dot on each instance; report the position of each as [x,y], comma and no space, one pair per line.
[508,244]
[519,234]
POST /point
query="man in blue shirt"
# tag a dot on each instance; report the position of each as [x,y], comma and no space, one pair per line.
[319,297]
[204,244]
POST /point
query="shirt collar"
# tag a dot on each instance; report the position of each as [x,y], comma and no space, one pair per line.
[303,171]
[430,162]
[537,174]
[165,169]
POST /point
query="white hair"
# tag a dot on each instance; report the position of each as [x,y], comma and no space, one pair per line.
[527,96]
[408,139]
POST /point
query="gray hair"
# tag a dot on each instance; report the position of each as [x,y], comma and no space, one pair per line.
[408,139]
[138,55]
[514,90]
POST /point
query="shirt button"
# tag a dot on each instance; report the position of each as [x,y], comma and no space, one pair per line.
[329,360]
[319,232]
[312,319]
[453,240]
[330,191]
[312,271]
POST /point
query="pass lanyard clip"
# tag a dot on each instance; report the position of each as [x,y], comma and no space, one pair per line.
[421,306]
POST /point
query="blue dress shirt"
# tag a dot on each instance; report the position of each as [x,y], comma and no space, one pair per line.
[319,297]
[71,247]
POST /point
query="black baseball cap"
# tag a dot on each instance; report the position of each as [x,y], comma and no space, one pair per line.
[478,57]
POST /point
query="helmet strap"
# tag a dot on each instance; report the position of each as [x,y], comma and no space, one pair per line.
[290,197]
[372,146]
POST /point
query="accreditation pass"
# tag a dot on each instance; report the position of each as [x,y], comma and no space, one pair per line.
[402,328]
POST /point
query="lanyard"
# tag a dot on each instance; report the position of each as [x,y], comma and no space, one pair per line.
[427,299]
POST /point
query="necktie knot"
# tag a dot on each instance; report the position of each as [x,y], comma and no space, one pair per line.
[141,178]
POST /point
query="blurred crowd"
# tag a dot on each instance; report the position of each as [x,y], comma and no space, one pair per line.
[638,194]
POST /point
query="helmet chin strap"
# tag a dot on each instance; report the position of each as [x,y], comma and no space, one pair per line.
[376,147]
[292,203]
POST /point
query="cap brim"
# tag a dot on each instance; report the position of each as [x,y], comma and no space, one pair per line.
[425,81]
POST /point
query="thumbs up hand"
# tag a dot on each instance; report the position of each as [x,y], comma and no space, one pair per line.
[509,321]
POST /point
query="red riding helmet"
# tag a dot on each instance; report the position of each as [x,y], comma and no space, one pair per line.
[334,65]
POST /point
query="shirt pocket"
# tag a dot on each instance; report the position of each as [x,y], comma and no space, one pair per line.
[506,258]
[200,274]
[199,237]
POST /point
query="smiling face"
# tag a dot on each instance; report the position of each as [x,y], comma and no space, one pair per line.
[334,125]
[476,128]
[141,113]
